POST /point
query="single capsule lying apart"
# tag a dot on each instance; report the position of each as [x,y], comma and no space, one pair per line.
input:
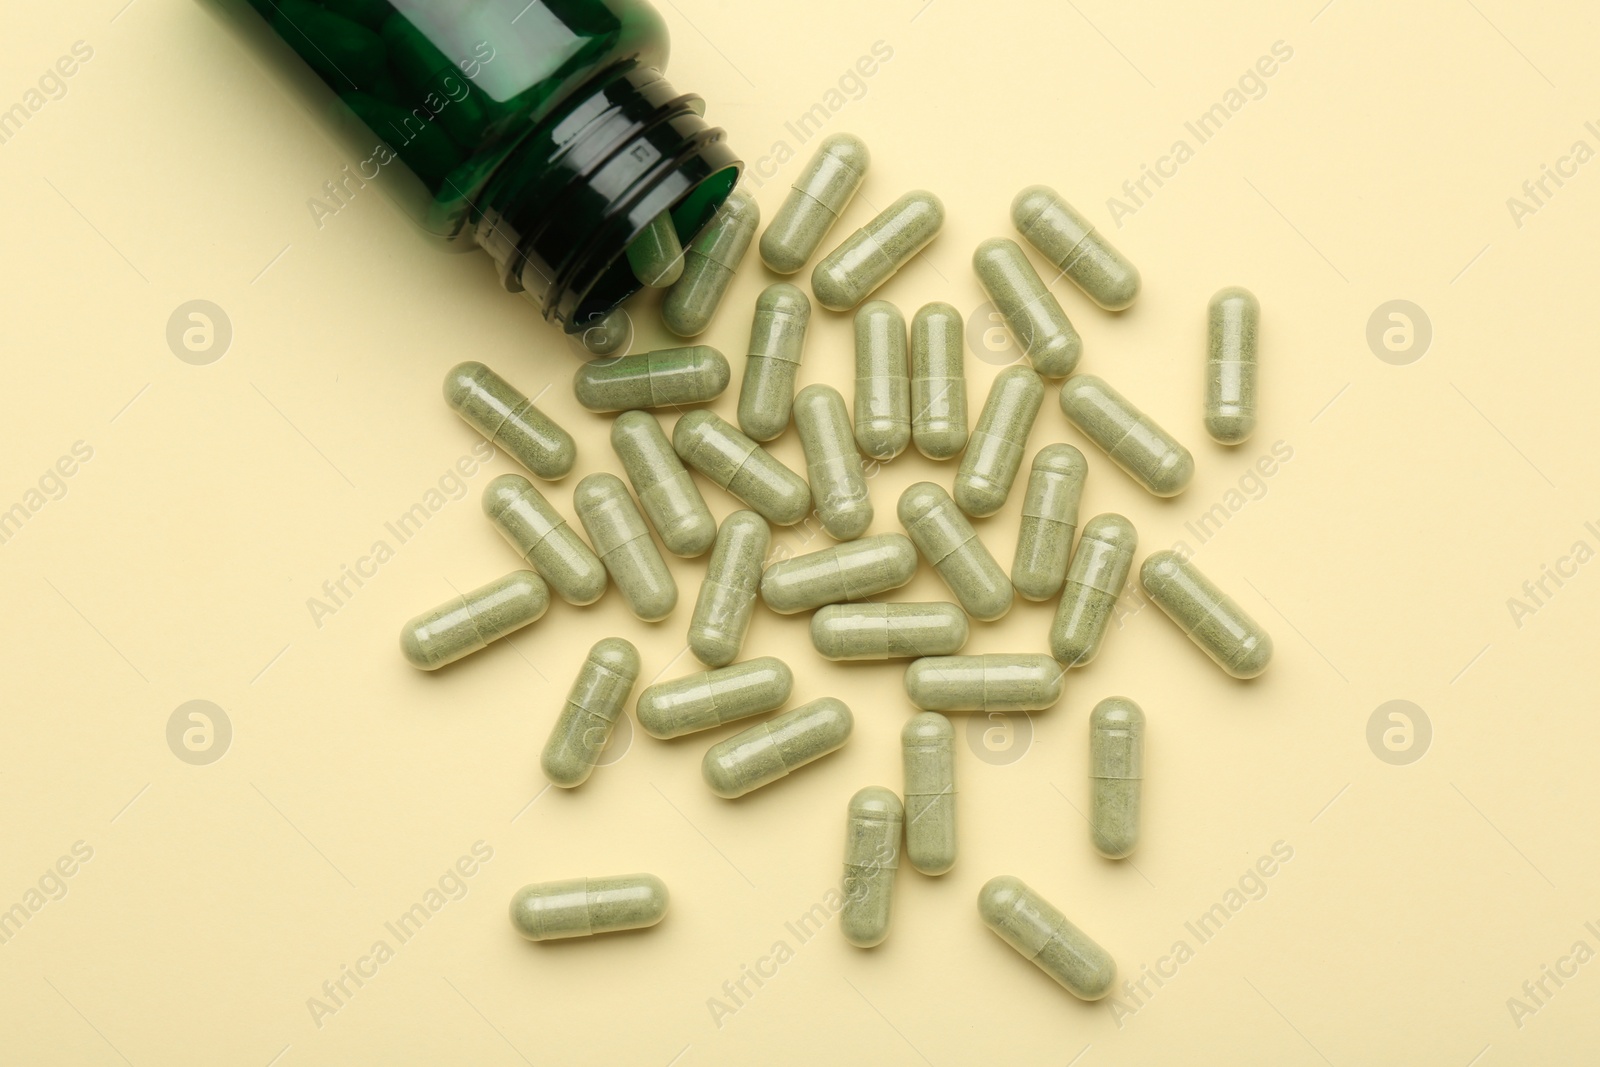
[1116,776]
[667,377]
[708,266]
[777,344]
[871,857]
[1209,616]
[872,255]
[496,409]
[1232,321]
[1049,519]
[815,202]
[545,540]
[947,540]
[1004,681]
[608,335]
[655,255]
[465,624]
[769,750]
[622,541]
[1071,242]
[666,492]
[1030,311]
[833,466]
[593,705]
[883,390]
[938,381]
[888,631]
[579,907]
[1095,578]
[711,698]
[928,749]
[742,467]
[728,594]
[994,454]
[1130,437]
[851,571]
[1032,925]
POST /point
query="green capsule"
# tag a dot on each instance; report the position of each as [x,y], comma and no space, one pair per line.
[608,335]
[1094,581]
[994,454]
[938,381]
[728,594]
[730,459]
[854,570]
[655,255]
[544,539]
[711,698]
[1032,925]
[424,148]
[1116,776]
[871,857]
[1049,519]
[769,750]
[1209,616]
[948,541]
[583,906]
[1007,681]
[666,492]
[1130,437]
[345,54]
[622,541]
[928,748]
[883,391]
[888,631]
[1030,311]
[815,202]
[493,406]
[872,255]
[465,624]
[370,13]
[665,378]
[1071,242]
[1232,321]
[594,703]
[833,466]
[708,266]
[435,82]
[777,344]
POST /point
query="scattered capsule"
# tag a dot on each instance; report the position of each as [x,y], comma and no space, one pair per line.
[493,406]
[815,202]
[1094,581]
[833,466]
[777,344]
[938,381]
[593,705]
[1116,776]
[1032,925]
[544,539]
[883,391]
[1049,519]
[583,906]
[730,459]
[1004,681]
[1071,242]
[655,255]
[854,570]
[728,594]
[994,454]
[666,492]
[607,335]
[711,698]
[947,540]
[1131,438]
[667,377]
[708,266]
[888,631]
[871,857]
[1029,309]
[769,750]
[1232,320]
[622,541]
[928,748]
[465,624]
[872,255]
[1209,616]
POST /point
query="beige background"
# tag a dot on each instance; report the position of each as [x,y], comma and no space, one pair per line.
[1376,165]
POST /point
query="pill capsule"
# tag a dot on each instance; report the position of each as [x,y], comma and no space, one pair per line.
[607,335]
[1071,242]
[493,406]
[595,701]
[1116,776]
[1004,681]
[579,907]
[666,492]
[871,858]
[947,540]
[728,593]
[872,255]
[667,377]
[777,343]
[938,381]
[1029,309]
[994,454]
[622,541]
[1209,616]
[928,749]
[1095,578]
[733,461]
[1032,925]
[888,631]
[769,750]
[464,624]
[1049,519]
[833,466]
[1131,438]
[854,570]
[655,255]
[544,539]
[711,698]
[708,266]
[815,202]
[1232,320]
[883,391]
